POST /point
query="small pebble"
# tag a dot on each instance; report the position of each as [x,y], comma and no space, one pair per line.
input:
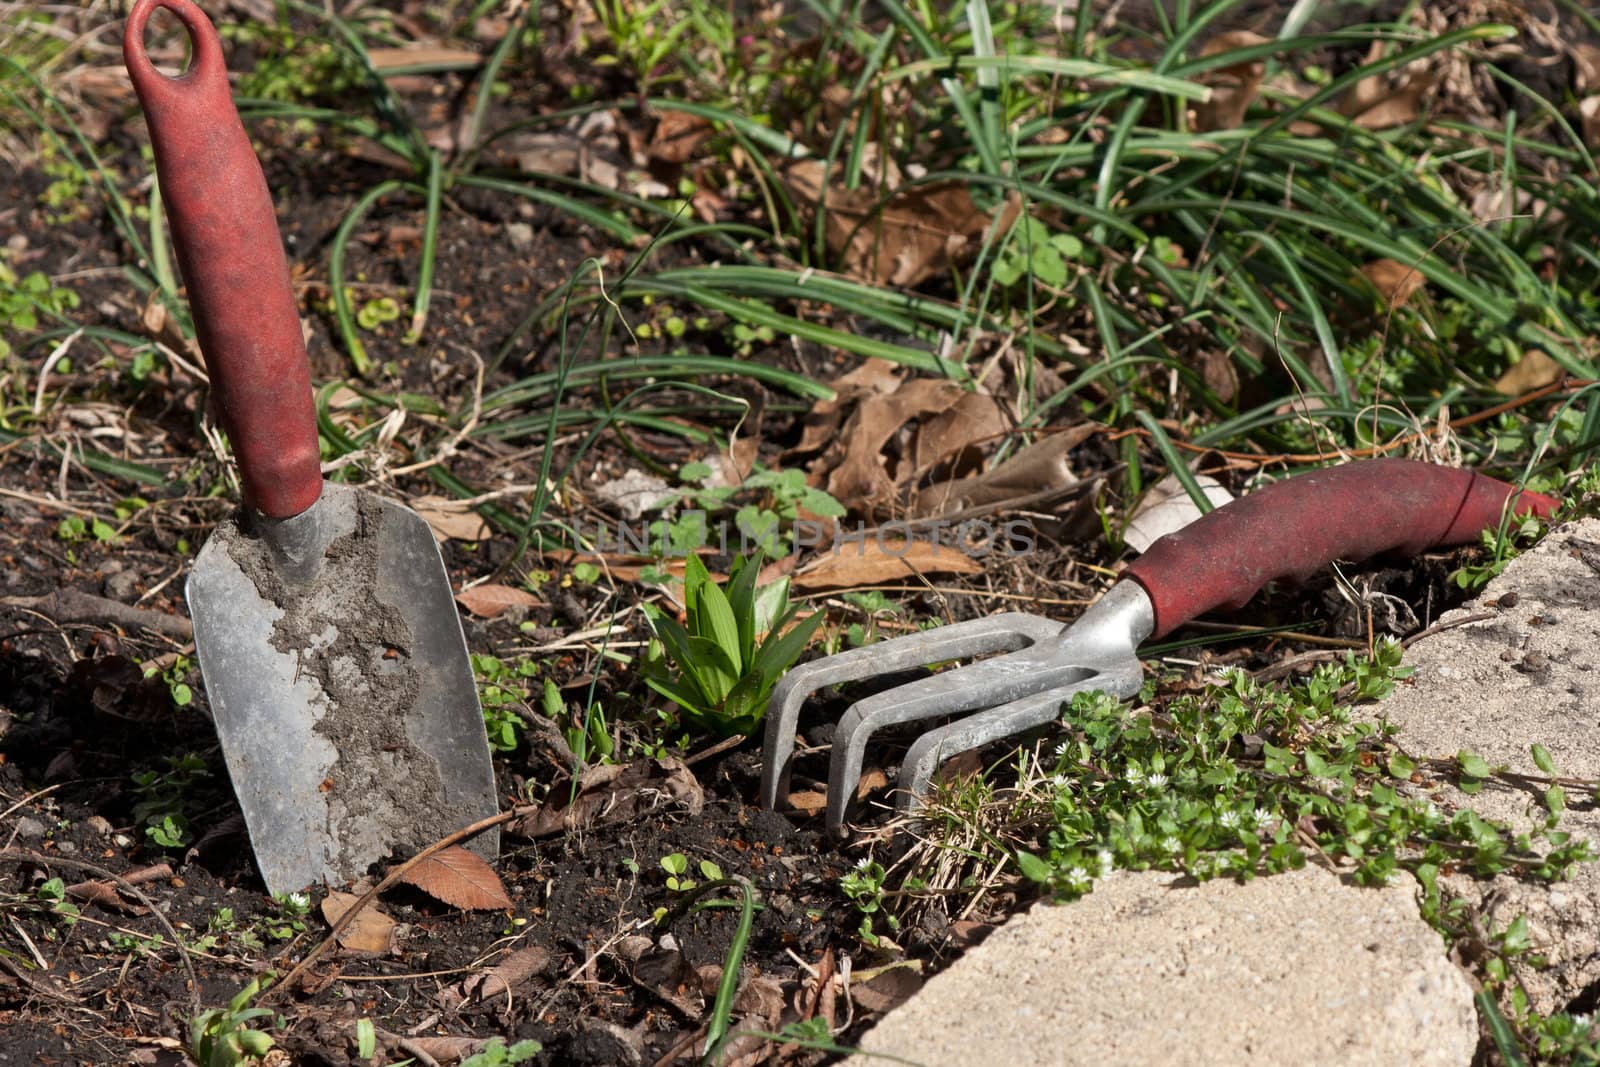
[99,824]
[29,828]
[66,848]
[1509,600]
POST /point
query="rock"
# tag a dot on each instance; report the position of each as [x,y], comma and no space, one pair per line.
[28,827]
[1528,674]
[1300,968]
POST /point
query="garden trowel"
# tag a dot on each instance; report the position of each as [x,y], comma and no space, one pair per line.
[324,623]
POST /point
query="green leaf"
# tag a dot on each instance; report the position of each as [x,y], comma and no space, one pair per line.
[1542,760]
[1473,766]
[680,694]
[1401,765]
[716,622]
[712,669]
[779,651]
[695,578]
[742,602]
[1032,867]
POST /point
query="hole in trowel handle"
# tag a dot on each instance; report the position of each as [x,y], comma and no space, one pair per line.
[165,21]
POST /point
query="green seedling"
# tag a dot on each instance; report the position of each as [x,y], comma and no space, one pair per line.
[75,529]
[23,300]
[864,885]
[498,1054]
[53,893]
[223,1037]
[166,797]
[375,313]
[177,678]
[287,917]
[721,668]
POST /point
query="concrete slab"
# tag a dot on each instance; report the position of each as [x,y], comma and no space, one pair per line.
[1153,969]
[1527,673]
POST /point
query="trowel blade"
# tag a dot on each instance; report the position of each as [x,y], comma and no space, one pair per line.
[345,702]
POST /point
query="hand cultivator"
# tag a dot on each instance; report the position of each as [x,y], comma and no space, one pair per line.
[1286,531]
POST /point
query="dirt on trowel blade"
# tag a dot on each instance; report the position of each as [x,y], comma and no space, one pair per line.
[346,649]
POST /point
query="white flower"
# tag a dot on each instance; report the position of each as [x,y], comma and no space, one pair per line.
[1078,878]
[299,901]
[1060,781]
[1262,816]
[1105,859]
[1062,749]
[863,863]
[1171,844]
[1156,781]
[1229,819]
[1134,775]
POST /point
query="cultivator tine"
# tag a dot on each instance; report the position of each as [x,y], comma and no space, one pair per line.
[930,751]
[998,633]
[981,685]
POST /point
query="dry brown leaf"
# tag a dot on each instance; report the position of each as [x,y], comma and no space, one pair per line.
[449,520]
[616,793]
[811,801]
[501,980]
[1373,104]
[1234,87]
[903,239]
[1395,282]
[1534,370]
[491,600]
[950,440]
[852,565]
[460,879]
[887,990]
[370,931]
[677,137]
[1039,467]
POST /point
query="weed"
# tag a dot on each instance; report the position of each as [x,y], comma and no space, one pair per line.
[53,893]
[287,917]
[864,885]
[721,668]
[75,529]
[23,300]
[223,1037]
[164,799]
[177,678]
[501,692]
[498,1054]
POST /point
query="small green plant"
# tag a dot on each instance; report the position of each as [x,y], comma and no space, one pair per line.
[135,945]
[164,798]
[376,312]
[864,885]
[23,300]
[177,678]
[1500,550]
[588,737]
[75,529]
[287,917]
[53,893]
[1033,251]
[721,670]
[501,691]
[223,1037]
[498,1054]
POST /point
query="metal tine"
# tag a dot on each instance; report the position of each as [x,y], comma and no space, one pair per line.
[933,749]
[977,686]
[1006,632]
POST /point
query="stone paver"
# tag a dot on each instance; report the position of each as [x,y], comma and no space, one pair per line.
[1529,673]
[1153,969]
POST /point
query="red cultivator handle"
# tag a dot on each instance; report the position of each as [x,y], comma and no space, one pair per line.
[1294,528]
[228,247]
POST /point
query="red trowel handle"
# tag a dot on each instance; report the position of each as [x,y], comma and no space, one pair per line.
[1296,527]
[227,240]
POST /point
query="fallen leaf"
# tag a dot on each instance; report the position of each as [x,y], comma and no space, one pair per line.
[893,234]
[1041,466]
[873,562]
[1395,282]
[677,137]
[949,443]
[501,980]
[887,990]
[616,793]
[449,520]
[491,600]
[1534,370]
[1166,508]
[370,931]
[812,801]
[1234,87]
[1373,103]
[460,879]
